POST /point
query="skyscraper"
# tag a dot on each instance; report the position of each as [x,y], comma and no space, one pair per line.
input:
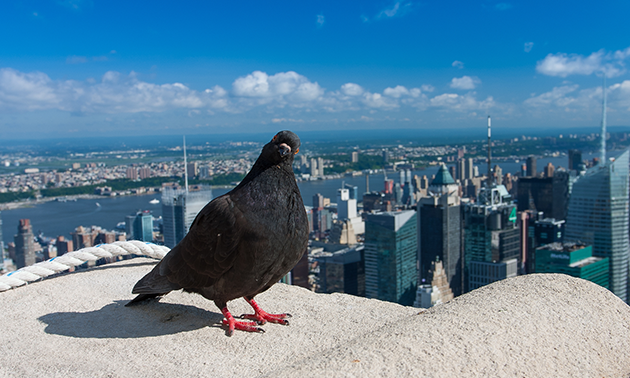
[535,232]
[498,175]
[549,169]
[314,171]
[320,167]
[575,159]
[179,209]
[439,231]
[341,271]
[347,210]
[464,169]
[390,256]
[24,244]
[192,169]
[546,194]
[353,191]
[598,216]
[139,226]
[469,169]
[531,166]
[460,170]
[492,249]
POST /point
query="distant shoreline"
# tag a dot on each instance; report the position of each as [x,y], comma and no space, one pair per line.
[39,201]
[32,203]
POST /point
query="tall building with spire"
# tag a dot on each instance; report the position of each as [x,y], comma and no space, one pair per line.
[439,231]
[598,216]
[491,237]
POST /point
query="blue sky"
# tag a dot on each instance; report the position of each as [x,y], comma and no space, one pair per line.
[93,67]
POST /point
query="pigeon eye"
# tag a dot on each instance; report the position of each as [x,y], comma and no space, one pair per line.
[274,138]
[296,151]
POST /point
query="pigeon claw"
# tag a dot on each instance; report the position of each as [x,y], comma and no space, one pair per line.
[257,319]
[262,317]
[242,326]
[233,324]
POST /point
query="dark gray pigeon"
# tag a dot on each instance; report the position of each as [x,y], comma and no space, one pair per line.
[242,242]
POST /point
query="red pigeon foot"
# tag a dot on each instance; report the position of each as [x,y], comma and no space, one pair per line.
[262,317]
[233,324]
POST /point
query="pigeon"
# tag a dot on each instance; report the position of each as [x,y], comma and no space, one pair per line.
[242,242]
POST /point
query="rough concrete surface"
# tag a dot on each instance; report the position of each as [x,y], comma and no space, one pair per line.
[76,325]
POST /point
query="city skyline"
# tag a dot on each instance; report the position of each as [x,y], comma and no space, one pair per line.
[85,67]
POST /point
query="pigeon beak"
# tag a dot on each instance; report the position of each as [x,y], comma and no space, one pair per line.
[284,149]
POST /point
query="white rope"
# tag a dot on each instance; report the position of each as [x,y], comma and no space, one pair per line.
[64,262]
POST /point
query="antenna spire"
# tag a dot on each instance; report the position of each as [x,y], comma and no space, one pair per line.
[489,154]
[603,146]
[185,167]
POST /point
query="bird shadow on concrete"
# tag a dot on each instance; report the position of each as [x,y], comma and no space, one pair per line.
[117,321]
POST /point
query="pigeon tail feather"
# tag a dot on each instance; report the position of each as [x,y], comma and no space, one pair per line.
[154,283]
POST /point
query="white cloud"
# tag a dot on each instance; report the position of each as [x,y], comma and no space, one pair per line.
[427,88]
[283,120]
[458,64]
[398,9]
[620,93]
[376,100]
[528,46]
[352,89]
[400,91]
[279,90]
[585,102]
[465,82]
[320,20]
[32,91]
[281,95]
[113,94]
[467,102]
[563,65]
[557,96]
[255,84]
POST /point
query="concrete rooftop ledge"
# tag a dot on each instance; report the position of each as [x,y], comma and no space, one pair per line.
[76,325]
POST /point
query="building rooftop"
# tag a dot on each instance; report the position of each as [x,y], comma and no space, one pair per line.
[443,177]
[540,325]
[563,247]
[585,262]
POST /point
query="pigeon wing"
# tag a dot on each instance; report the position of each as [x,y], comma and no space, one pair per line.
[210,247]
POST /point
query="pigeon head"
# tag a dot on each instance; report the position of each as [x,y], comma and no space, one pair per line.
[282,147]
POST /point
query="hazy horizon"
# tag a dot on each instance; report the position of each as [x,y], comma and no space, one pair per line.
[373,136]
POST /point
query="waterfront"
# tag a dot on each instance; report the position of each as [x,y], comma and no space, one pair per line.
[55,218]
